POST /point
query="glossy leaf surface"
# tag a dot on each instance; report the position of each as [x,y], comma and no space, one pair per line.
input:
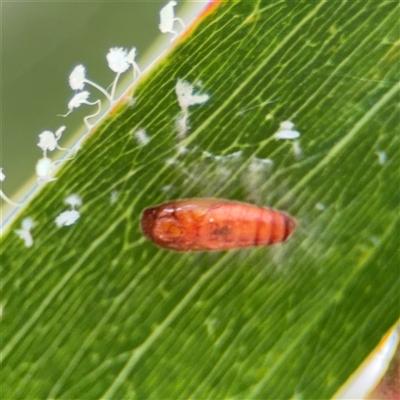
[96,311]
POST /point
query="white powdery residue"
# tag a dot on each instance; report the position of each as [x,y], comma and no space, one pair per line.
[167,188]
[254,178]
[181,150]
[24,233]
[382,157]
[167,19]
[77,77]
[284,134]
[258,165]
[48,140]
[131,102]
[142,137]
[320,207]
[167,16]
[223,172]
[28,223]
[286,131]
[171,161]
[77,81]
[207,154]
[117,59]
[182,124]
[77,100]
[297,149]
[228,157]
[286,125]
[26,236]
[186,98]
[67,218]
[375,240]
[131,60]
[73,200]
[82,98]
[114,196]
[44,169]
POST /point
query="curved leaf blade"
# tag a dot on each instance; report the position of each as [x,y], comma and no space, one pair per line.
[94,310]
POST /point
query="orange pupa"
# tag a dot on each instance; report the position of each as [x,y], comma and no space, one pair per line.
[214,224]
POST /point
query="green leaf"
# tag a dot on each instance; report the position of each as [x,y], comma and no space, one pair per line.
[94,310]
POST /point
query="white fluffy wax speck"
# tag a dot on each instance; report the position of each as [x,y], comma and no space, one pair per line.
[44,169]
[28,223]
[142,137]
[73,200]
[25,236]
[117,59]
[382,157]
[287,134]
[24,233]
[67,218]
[286,131]
[186,98]
[286,125]
[167,16]
[114,196]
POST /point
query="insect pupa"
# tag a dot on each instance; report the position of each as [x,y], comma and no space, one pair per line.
[214,224]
